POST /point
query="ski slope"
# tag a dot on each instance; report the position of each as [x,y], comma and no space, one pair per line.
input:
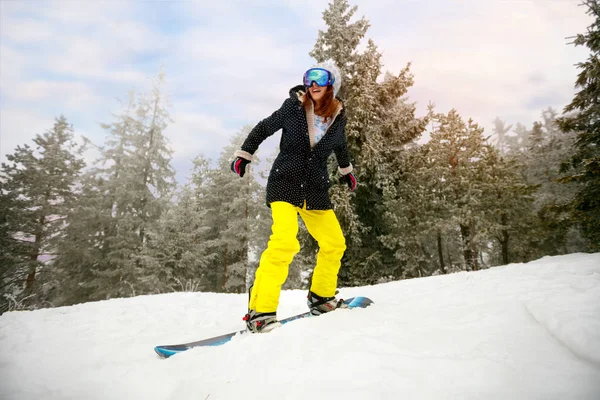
[523,331]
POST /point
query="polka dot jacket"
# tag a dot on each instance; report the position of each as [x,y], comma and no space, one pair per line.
[299,172]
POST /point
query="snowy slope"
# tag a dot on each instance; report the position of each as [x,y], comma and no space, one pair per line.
[524,331]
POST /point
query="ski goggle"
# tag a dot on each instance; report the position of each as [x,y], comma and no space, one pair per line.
[320,76]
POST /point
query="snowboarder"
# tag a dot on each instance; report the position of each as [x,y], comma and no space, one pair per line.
[313,125]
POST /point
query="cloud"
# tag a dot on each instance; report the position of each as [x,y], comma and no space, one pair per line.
[12,63]
[481,59]
[236,69]
[74,95]
[192,133]
[62,58]
[26,30]
[66,14]
[22,125]
[97,41]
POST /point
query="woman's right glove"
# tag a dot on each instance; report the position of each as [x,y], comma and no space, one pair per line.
[239,166]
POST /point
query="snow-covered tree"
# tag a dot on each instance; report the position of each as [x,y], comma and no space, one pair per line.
[415,214]
[582,117]
[125,196]
[454,153]
[82,250]
[507,202]
[341,39]
[39,190]
[517,141]
[177,256]
[500,134]
[232,206]
[547,149]
[13,251]
[380,123]
[456,202]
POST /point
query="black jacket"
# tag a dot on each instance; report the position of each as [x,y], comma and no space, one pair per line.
[299,172]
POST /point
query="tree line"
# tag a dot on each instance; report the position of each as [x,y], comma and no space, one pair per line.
[463,200]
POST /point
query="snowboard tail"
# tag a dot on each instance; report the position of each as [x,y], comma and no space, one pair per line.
[167,351]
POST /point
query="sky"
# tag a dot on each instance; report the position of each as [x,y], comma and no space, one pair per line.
[518,332]
[230,64]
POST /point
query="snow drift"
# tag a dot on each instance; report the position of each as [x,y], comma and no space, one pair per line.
[522,331]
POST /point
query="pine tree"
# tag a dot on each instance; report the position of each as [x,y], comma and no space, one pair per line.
[124,198]
[40,184]
[177,256]
[454,154]
[536,137]
[582,117]
[500,132]
[415,214]
[83,250]
[455,197]
[507,202]
[380,123]
[517,143]
[548,148]
[13,251]
[339,43]
[341,39]
[232,207]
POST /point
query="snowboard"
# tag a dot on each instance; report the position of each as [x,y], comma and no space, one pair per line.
[167,351]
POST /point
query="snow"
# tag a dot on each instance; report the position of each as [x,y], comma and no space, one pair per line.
[522,331]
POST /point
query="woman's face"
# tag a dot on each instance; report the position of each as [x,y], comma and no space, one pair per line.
[317,92]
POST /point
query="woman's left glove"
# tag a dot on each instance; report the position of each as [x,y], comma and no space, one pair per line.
[239,166]
[350,180]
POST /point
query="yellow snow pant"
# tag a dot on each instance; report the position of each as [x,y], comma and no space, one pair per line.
[283,246]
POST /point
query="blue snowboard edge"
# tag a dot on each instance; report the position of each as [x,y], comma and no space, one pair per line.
[167,351]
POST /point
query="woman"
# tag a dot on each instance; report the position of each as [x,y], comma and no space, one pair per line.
[313,123]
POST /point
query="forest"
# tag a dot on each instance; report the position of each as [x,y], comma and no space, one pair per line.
[463,200]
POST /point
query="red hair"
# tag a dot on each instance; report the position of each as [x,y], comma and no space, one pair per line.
[328,105]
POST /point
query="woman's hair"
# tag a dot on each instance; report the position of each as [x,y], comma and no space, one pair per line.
[328,105]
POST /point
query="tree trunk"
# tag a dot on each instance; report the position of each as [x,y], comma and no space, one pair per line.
[503,239]
[441,252]
[34,255]
[504,244]
[29,282]
[224,268]
[468,248]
